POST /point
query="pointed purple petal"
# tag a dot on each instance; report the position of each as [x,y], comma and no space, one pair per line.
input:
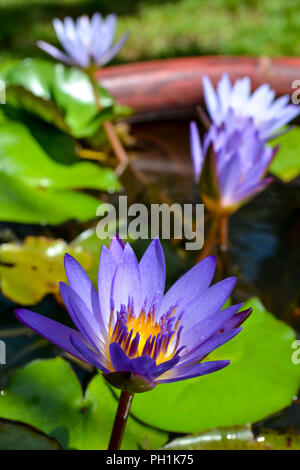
[191,285]
[117,247]
[210,302]
[90,356]
[190,372]
[153,273]
[127,281]
[81,284]
[53,331]
[210,98]
[107,270]
[82,317]
[120,361]
[197,332]
[54,52]
[196,150]
[105,58]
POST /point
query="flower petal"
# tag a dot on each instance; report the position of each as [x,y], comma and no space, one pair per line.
[196,150]
[153,273]
[190,372]
[107,270]
[120,361]
[81,316]
[205,305]
[54,52]
[106,57]
[191,285]
[211,99]
[117,247]
[81,284]
[53,331]
[126,285]
[90,356]
[196,333]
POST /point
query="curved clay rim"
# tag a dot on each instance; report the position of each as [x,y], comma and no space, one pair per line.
[177,83]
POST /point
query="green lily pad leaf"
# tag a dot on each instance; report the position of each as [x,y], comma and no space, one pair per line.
[39,170]
[60,95]
[20,436]
[260,380]
[26,204]
[47,394]
[286,164]
[30,270]
[29,154]
[237,438]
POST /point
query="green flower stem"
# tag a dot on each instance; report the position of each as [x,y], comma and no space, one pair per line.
[120,420]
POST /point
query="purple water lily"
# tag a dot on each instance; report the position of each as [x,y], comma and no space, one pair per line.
[137,336]
[236,162]
[85,41]
[268,114]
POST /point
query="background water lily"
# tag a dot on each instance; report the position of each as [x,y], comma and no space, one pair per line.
[85,41]
[268,114]
[137,336]
[231,164]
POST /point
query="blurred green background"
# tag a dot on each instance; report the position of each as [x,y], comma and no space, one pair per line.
[163,28]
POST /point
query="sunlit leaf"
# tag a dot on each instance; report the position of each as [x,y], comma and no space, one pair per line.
[30,270]
[48,395]
[37,155]
[286,164]
[20,436]
[26,204]
[60,95]
[237,438]
[260,380]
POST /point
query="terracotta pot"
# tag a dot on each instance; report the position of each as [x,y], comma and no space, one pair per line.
[177,83]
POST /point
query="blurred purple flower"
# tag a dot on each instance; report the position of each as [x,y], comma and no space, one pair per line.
[85,41]
[268,114]
[231,164]
[137,336]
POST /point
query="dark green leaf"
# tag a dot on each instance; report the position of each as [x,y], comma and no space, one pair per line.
[20,436]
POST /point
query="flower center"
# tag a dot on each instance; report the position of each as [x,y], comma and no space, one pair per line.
[144,335]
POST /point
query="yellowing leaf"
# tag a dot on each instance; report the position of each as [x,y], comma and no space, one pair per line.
[30,270]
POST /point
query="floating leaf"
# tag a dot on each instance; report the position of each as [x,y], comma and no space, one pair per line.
[30,270]
[237,438]
[25,204]
[38,170]
[60,95]
[20,436]
[36,156]
[260,380]
[286,164]
[48,395]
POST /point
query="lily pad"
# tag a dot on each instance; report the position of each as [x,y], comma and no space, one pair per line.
[260,380]
[47,394]
[238,438]
[39,173]
[286,164]
[27,154]
[60,95]
[30,270]
[26,204]
[19,436]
